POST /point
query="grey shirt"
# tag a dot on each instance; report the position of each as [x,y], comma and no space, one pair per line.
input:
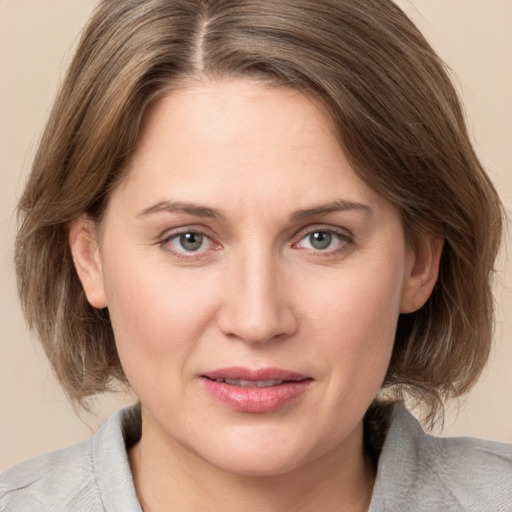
[416,473]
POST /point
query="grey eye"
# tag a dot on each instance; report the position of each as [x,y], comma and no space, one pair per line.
[190,241]
[320,239]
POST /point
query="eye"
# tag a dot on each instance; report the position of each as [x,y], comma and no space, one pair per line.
[320,240]
[188,242]
[323,240]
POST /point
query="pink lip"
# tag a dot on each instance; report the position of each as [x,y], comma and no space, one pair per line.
[254,399]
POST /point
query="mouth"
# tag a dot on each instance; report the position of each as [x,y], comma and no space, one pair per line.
[242,383]
[262,390]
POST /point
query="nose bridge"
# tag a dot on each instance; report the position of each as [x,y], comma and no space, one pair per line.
[256,307]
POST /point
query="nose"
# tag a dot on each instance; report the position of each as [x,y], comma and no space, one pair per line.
[256,307]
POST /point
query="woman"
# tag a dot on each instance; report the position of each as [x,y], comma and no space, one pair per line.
[260,216]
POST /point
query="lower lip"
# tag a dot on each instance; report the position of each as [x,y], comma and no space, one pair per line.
[266,399]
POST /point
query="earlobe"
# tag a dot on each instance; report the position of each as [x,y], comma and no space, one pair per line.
[422,270]
[86,257]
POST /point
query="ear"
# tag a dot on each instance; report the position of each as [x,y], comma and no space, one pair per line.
[422,271]
[83,241]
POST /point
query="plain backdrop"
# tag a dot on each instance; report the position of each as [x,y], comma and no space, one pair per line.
[36,41]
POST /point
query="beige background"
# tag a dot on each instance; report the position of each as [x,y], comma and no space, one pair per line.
[36,38]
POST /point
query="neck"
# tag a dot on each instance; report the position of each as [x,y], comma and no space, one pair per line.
[169,477]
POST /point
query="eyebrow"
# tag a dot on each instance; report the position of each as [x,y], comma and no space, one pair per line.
[203,211]
[335,206]
[179,207]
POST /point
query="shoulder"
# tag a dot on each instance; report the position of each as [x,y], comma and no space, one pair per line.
[85,477]
[49,481]
[477,472]
[422,472]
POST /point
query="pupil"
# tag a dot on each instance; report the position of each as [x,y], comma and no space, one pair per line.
[320,240]
[191,241]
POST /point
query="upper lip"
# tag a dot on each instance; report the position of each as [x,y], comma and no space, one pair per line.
[249,374]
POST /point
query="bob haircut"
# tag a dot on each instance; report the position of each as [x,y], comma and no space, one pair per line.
[391,103]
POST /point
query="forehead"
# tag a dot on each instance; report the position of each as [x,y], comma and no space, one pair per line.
[238,142]
[225,112]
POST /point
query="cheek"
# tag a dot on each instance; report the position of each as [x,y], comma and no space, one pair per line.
[353,321]
[157,318]
[361,304]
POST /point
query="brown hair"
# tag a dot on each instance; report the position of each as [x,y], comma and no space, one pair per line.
[391,102]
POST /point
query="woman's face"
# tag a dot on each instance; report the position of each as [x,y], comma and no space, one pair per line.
[253,280]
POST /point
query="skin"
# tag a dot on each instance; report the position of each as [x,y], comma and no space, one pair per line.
[257,293]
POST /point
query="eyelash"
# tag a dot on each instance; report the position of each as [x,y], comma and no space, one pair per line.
[183,254]
[345,239]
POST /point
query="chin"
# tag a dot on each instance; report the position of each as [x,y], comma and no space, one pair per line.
[262,454]
[263,464]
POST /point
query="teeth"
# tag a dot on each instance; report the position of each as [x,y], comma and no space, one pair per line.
[250,383]
[267,383]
